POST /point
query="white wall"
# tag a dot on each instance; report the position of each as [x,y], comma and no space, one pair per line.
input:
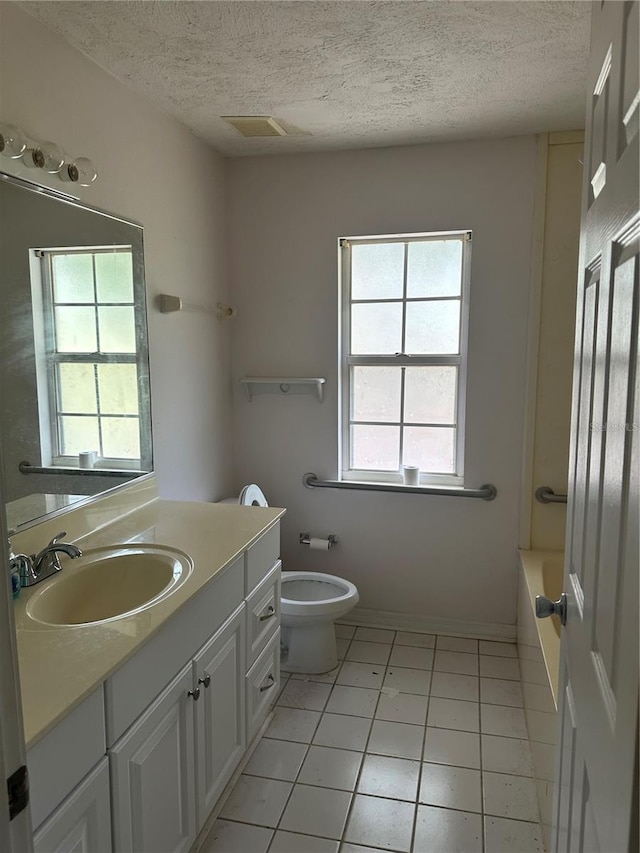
[155,171]
[433,556]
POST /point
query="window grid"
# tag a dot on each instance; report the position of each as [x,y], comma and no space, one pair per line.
[58,358]
[402,360]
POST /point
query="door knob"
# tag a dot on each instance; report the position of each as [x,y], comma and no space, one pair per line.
[206,680]
[545,607]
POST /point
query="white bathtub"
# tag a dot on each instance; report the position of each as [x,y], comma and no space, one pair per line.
[539,655]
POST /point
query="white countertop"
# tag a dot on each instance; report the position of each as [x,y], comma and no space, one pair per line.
[60,666]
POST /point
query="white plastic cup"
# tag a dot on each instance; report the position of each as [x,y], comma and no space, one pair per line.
[411,475]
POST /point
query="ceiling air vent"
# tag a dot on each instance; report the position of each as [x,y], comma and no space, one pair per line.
[255,125]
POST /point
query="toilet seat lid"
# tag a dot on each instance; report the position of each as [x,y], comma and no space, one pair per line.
[252,495]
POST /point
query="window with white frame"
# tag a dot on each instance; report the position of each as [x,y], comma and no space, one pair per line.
[92,316]
[404,302]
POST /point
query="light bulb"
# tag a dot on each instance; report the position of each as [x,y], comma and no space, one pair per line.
[12,141]
[81,171]
[47,156]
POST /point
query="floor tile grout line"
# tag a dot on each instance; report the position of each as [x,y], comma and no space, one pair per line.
[482,801]
[420,772]
[359,775]
[384,755]
[297,776]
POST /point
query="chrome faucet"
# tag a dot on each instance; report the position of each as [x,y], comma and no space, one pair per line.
[39,567]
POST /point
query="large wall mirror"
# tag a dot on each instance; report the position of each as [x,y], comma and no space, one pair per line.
[75,414]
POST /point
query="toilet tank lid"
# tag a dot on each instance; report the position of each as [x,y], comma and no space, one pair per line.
[252,495]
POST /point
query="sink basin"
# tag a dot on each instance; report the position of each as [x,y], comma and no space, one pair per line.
[109,583]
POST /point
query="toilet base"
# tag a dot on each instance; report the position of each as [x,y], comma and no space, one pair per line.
[309,648]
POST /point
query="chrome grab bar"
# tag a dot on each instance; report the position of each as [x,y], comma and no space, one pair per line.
[546,495]
[487,492]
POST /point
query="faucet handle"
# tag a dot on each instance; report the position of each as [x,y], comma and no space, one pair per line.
[58,537]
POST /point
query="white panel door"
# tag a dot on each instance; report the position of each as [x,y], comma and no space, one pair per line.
[82,822]
[220,728]
[595,800]
[153,776]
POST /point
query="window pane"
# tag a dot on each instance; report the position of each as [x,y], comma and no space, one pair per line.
[117,330]
[121,437]
[430,395]
[376,329]
[114,277]
[77,388]
[377,271]
[376,393]
[375,448]
[430,448]
[118,385]
[72,278]
[75,329]
[78,434]
[433,327]
[434,268]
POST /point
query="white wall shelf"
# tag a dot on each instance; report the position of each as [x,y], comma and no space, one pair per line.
[254,385]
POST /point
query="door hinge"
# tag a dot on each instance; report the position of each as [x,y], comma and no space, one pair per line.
[18,791]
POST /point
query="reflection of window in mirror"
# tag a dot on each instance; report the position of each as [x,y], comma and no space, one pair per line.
[86,335]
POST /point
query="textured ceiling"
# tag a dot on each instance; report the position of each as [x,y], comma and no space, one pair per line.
[346,74]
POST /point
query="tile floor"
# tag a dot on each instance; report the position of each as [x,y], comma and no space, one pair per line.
[413,744]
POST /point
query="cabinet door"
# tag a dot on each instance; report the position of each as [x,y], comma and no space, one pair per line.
[82,822]
[152,776]
[220,711]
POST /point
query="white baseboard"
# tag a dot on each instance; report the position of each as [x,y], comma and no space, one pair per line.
[430,624]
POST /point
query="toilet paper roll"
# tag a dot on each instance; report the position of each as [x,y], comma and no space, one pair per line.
[87,458]
[316,544]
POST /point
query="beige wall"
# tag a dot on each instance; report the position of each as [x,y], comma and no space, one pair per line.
[155,171]
[556,336]
[434,557]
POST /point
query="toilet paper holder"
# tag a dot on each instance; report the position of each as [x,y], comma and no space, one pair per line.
[305,539]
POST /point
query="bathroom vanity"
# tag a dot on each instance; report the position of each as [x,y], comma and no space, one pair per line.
[134,726]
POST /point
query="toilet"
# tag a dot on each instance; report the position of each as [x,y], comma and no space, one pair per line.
[310,604]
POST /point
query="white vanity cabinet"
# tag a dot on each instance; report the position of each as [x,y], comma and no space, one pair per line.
[174,720]
[171,765]
[82,823]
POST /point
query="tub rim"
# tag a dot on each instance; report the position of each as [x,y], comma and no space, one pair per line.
[532,562]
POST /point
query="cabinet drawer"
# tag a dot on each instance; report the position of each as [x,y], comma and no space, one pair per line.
[65,755]
[260,558]
[82,824]
[262,683]
[263,613]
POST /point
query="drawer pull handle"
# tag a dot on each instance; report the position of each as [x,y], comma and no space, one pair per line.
[271,612]
[206,680]
[195,693]
[271,684]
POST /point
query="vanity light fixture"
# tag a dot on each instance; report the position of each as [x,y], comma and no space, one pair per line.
[46,156]
[79,171]
[12,141]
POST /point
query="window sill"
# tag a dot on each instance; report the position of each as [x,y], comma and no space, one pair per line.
[129,473]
